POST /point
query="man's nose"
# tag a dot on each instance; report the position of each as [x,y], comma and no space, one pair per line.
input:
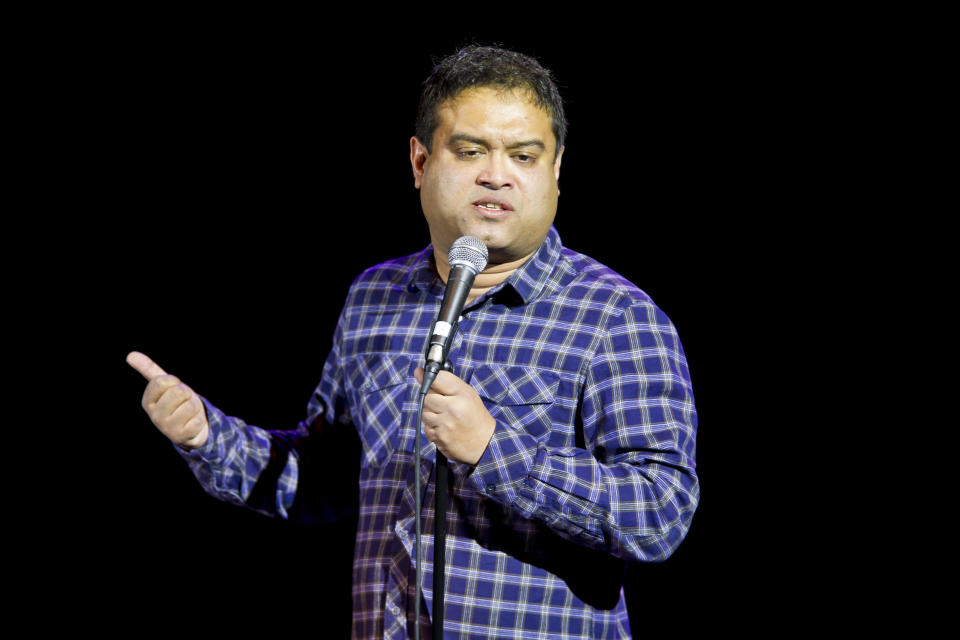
[495,172]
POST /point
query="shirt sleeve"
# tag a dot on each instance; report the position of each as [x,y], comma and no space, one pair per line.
[632,490]
[264,470]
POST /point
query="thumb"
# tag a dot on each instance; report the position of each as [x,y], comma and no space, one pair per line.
[147,367]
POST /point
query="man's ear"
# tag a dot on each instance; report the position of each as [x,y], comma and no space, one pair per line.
[556,164]
[418,157]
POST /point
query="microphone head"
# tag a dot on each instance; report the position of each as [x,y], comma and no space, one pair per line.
[469,252]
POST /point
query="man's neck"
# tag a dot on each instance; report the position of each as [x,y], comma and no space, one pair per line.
[490,277]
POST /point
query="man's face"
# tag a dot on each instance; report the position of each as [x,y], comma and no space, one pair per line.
[491,174]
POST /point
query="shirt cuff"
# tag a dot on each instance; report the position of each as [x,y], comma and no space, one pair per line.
[505,463]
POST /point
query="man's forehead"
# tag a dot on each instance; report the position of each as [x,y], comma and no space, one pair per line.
[506,94]
[511,112]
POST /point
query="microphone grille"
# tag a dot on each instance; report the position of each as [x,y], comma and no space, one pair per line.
[469,251]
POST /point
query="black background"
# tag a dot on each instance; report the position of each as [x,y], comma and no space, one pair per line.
[234,175]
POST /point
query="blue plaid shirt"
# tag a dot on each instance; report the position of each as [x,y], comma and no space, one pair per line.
[591,463]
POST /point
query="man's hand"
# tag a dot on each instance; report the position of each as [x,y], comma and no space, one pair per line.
[173,406]
[455,419]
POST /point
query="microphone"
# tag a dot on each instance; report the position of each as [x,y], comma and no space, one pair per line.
[468,257]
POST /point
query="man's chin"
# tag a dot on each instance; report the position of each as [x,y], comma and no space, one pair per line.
[497,246]
[501,247]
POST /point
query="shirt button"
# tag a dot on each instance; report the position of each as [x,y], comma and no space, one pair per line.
[491,488]
[394,609]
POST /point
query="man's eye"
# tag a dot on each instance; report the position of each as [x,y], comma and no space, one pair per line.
[468,153]
[524,158]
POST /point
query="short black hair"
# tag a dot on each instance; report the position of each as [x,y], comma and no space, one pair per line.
[479,66]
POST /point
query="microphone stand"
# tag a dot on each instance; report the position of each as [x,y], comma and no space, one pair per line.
[440,537]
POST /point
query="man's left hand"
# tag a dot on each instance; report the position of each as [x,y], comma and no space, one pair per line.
[455,419]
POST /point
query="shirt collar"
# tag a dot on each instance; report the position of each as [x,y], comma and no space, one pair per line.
[422,273]
[529,281]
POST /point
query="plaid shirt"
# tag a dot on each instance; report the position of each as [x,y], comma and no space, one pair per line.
[591,463]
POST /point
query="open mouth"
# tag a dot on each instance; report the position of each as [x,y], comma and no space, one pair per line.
[492,206]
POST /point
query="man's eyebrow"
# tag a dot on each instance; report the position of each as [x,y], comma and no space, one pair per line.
[463,137]
[534,142]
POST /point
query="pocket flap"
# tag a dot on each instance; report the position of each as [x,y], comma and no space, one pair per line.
[513,385]
[381,371]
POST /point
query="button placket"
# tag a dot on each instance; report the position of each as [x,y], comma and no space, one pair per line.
[394,624]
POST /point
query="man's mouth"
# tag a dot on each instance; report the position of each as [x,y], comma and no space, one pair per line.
[492,206]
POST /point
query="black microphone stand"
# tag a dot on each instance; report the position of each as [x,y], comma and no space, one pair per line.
[440,536]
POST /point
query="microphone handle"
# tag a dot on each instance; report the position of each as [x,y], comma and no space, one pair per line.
[459,283]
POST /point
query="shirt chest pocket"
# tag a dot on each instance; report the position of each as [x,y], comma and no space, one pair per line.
[382,389]
[519,397]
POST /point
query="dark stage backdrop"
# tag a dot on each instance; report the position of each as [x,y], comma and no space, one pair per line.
[238,177]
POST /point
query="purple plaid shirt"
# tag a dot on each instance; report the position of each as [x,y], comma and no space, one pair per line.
[591,463]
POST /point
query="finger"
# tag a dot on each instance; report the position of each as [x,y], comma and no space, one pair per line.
[147,367]
[447,384]
[433,435]
[430,419]
[418,374]
[157,387]
[435,403]
[186,411]
[172,399]
[199,425]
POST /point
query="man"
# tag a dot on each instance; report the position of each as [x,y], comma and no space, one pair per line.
[568,418]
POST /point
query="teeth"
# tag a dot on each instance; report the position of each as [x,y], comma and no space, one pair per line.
[490,205]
